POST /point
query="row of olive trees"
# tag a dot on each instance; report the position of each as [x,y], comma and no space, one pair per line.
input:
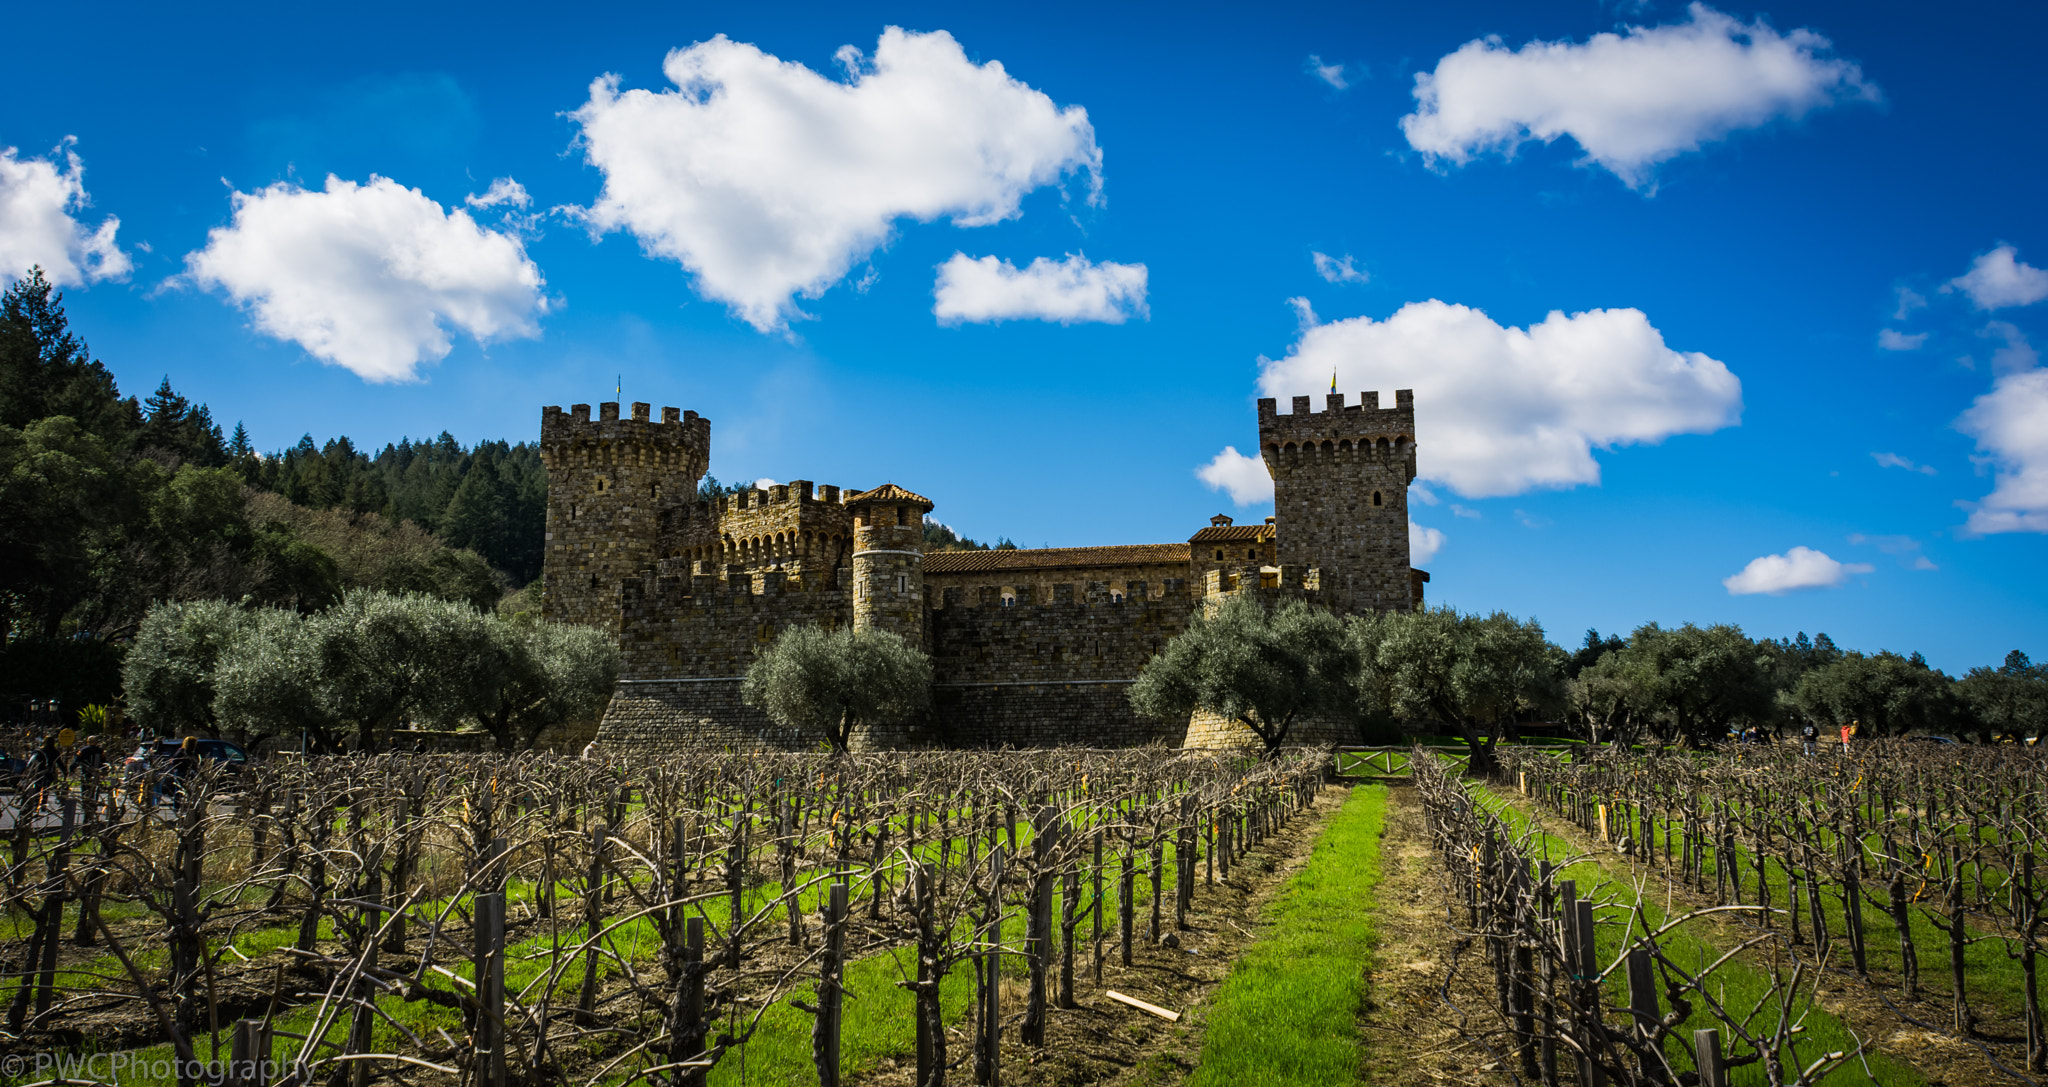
[1480,676]
[362,669]
[1267,670]
[1694,683]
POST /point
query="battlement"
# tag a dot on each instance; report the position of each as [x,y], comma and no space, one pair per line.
[1288,579]
[795,493]
[1061,594]
[1338,426]
[709,587]
[680,437]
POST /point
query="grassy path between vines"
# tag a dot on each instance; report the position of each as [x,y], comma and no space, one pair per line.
[1288,1013]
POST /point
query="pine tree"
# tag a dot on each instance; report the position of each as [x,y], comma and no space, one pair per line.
[47,370]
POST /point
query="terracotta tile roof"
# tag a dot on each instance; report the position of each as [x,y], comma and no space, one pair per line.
[889,492]
[1055,558]
[1216,533]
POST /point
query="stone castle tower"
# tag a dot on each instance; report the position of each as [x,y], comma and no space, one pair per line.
[1340,494]
[888,561]
[606,483]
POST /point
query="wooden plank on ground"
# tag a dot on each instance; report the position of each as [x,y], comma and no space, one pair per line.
[1171,1017]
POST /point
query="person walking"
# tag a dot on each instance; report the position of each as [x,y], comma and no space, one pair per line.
[1848,733]
[89,758]
[1809,735]
[183,765]
[41,776]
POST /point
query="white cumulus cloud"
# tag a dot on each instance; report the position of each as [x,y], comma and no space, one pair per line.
[369,277]
[1244,478]
[984,289]
[2017,353]
[1423,543]
[1891,339]
[1799,568]
[1337,269]
[767,180]
[1999,279]
[39,225]
[1893,460]
[1499,410]
[2010,424]
[1630,100]
[1330,74]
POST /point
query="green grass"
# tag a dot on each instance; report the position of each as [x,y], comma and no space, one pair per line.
[1288,1013]
[1737,985]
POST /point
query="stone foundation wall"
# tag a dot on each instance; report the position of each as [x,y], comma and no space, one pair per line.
[1210,731]
[1071,637]
[1084,714]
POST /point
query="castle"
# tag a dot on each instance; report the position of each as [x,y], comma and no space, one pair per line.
[1029,647]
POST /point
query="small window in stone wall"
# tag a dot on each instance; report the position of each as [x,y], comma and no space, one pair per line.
[1219,554]
[1377,500]
[601,484]
[902,583]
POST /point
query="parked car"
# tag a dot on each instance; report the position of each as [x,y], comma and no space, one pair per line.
[157,754]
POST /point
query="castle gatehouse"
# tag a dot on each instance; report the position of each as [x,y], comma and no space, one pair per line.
[1029,647]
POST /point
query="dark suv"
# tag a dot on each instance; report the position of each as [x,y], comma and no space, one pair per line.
[156,755]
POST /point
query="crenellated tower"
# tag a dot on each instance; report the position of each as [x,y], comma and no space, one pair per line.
[1340,495]
[607,482]
[888,561]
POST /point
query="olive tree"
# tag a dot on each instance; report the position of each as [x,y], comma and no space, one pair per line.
[2009,701]
[529,676]
[1262,669]
[1476,676]
[273,681]
[1883,694]
[830,682]
[1708,678]
[169,673]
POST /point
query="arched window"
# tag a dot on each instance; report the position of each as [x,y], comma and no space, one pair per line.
[1377,500]
[1219,554]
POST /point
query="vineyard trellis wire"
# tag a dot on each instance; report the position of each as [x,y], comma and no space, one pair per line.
[504,919]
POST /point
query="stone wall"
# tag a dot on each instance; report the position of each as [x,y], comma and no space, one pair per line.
[1340,495]
[705,626]
[663,717]
[1052,672]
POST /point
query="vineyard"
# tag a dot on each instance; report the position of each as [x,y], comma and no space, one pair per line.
[758,918]
[1748,916]
[1745,916]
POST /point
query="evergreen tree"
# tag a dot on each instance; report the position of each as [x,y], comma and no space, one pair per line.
[46,370]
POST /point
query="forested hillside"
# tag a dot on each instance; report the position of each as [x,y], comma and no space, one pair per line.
[109,504]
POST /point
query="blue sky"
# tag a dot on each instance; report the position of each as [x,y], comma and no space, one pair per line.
[1725,208]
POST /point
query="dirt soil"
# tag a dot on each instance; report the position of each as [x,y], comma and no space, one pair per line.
[1414,1022]
[1104,1042]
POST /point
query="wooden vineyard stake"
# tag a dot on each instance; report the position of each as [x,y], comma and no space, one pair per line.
[1706,1050]
[490,988]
